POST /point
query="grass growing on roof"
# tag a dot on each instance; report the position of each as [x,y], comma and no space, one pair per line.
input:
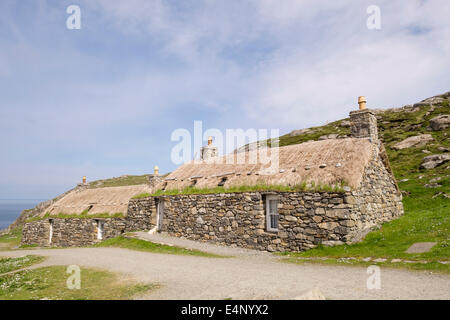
[50,283]
[128,180]
[256,188]
[142,195]
[147,246]
[83,215]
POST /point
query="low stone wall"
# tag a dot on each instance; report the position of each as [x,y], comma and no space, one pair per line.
[141,214]
[70,232]
[80,232]
[305,219]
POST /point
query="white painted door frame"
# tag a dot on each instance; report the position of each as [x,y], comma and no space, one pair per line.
[160,214]
[100,227]
[50,236]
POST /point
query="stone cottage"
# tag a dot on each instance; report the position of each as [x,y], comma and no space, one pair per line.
[322,192]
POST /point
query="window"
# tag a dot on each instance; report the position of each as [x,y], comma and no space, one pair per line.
[272,213]
[222,182]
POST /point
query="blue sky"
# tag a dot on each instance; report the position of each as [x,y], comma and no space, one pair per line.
[103,101]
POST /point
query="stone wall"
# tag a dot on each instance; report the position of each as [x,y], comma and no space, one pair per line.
[364,125]
[305,219]
[80,232]
[70,232]
[141,214]
[378,199]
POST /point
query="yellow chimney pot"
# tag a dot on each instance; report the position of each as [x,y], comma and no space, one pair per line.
[84,180]
[210,139]
[155,170]
[362,102]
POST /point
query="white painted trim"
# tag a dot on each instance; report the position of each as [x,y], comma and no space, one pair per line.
[268,199]
[159,214]
[100,229]
[50,236]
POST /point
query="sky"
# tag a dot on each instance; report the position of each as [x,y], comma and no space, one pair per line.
[103,100]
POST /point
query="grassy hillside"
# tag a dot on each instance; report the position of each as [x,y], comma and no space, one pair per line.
[425,192]
[125,180]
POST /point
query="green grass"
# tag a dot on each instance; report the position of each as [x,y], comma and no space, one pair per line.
[315,134]
[50,283]
[142,195]
[11,239]
[338,188]
[11,264]
[147,246]
[128,180]
[83,215]
[429,266]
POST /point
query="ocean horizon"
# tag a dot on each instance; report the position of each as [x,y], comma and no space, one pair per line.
[10,209]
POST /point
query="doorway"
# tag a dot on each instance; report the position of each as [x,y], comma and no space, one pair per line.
[160,214]
[50,237]
[100,226]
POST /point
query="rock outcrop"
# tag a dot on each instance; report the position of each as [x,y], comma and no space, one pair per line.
[440,122]
[415,141]
[434,160]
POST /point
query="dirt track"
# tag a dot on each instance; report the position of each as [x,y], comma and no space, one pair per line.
[246,276]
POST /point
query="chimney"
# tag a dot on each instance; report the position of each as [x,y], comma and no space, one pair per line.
[364,122]
[362,102]
[209,151]
[84,180]
[155,178]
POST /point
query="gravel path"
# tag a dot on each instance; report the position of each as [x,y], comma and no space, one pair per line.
[234,251]
[255,275]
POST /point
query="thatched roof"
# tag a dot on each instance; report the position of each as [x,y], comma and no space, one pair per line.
[110,200]
[323,162]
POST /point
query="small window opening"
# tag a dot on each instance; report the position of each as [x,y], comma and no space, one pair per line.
[194,182]
[272,213]
[222,182]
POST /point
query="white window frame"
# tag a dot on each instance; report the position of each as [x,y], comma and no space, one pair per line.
[269,214]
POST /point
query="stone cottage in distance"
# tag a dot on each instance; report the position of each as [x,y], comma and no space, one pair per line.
[265,220]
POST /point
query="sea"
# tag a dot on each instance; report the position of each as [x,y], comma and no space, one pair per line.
[10,209]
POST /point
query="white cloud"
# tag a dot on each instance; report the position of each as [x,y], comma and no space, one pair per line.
[282,64]
[322,57]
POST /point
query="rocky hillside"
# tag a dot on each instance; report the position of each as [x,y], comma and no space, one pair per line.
[417,140]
